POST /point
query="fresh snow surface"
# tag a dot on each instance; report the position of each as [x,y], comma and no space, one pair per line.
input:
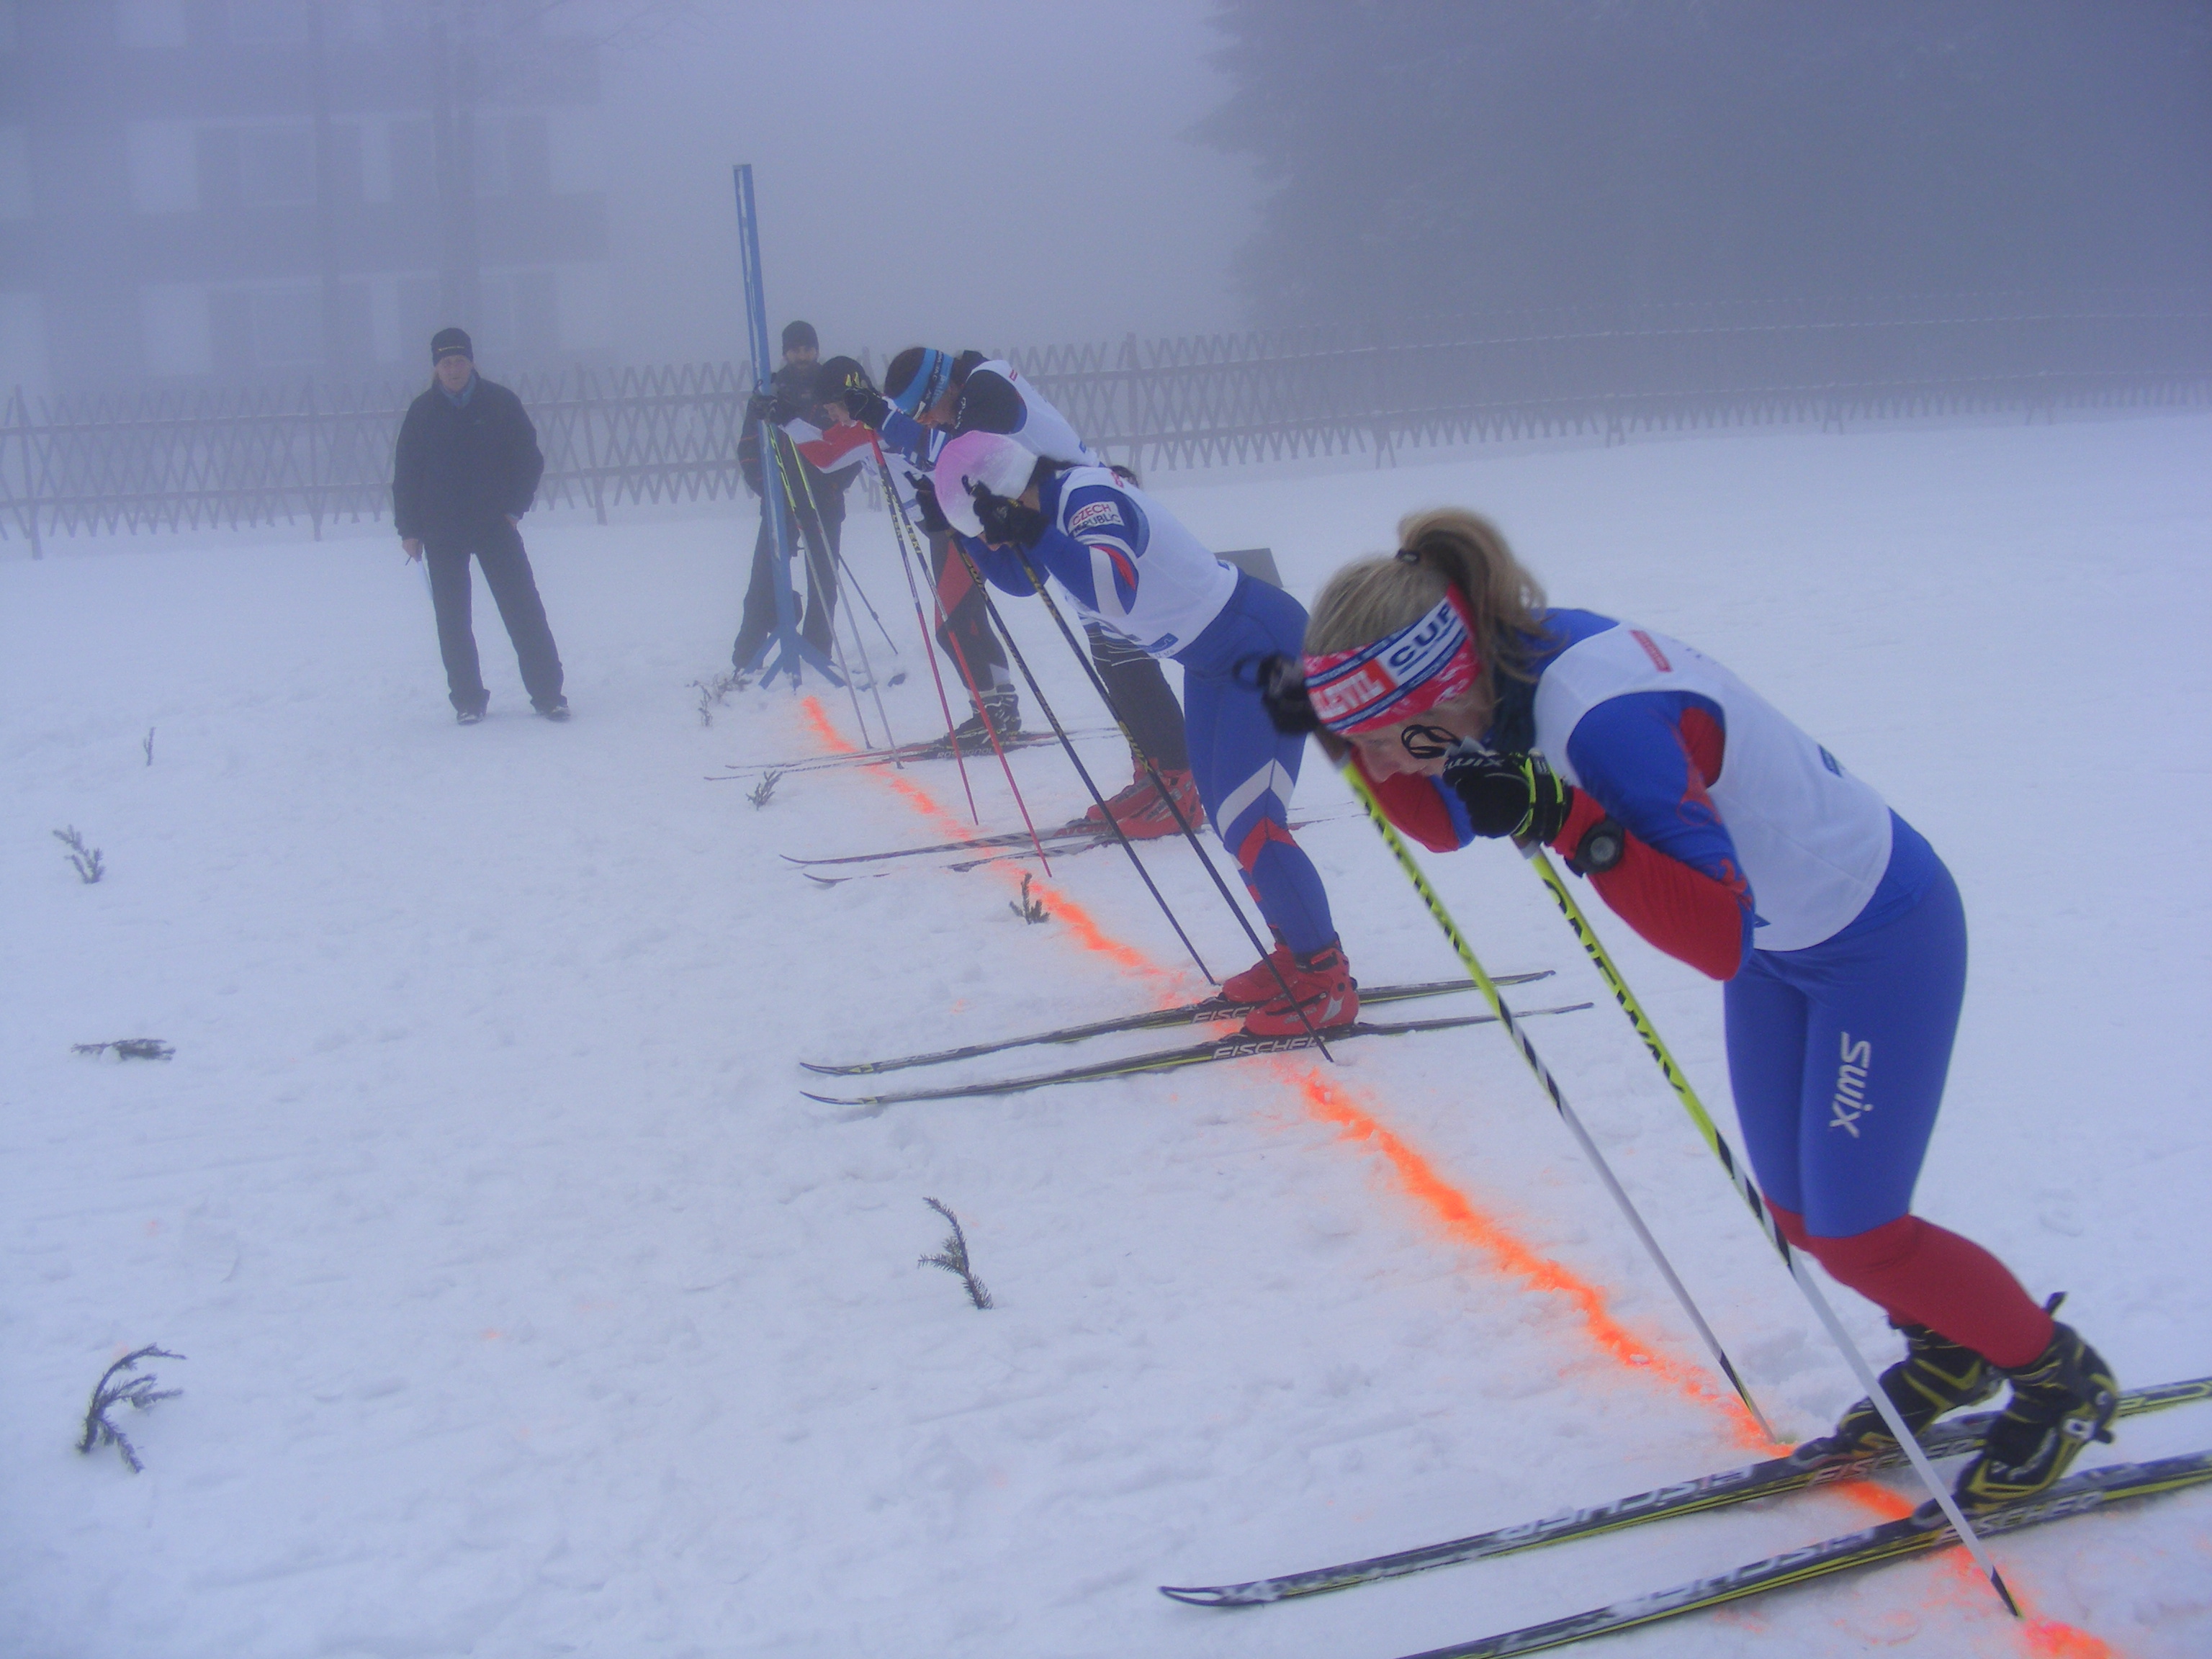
[530,1310]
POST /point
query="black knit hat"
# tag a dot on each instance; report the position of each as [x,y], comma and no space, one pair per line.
[801,334]
[447,342]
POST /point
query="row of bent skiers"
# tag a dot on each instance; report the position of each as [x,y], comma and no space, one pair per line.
[1707,821]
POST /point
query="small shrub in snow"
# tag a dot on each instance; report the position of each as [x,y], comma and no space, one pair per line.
[150,745]
[952,1257]
[1029,910]
[761,793]
[138,1391]
[89,869]
[715,694]
[128,1048]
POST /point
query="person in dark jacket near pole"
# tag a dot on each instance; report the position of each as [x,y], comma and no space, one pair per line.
[814,503]
[467,471]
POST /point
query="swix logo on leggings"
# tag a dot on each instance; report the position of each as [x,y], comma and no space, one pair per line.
[1851,1104]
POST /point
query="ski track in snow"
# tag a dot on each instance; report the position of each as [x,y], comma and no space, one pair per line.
[529,1310]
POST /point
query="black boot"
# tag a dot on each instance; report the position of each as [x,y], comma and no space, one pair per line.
[1003,711]
[1937,1375]
[2060,1402]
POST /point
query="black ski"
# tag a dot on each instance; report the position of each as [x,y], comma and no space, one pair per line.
[1072,837]
[2077,1494]
[1188,1013]
[1950,1438]
[1198,1053]
[934,749]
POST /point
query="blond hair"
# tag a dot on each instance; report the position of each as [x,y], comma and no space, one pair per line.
[1445,547]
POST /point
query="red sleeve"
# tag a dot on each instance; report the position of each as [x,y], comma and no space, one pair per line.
[1686,914]
[833,446]
[1416,804]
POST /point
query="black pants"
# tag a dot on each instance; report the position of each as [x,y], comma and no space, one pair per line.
[819,542]
[965,634]
[498,548]
[1139,687]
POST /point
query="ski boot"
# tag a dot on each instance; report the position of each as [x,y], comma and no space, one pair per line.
[1937,1375]
[1323,996]
[2061,1401]
[1257,982]
[973,736]
[1143,815]
[552,708]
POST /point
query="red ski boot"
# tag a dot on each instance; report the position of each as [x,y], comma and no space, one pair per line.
[1257,982]
[1323,995]
[1143,815]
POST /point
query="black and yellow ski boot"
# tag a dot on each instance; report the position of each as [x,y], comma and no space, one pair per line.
[2060,1402]
[1935,1377]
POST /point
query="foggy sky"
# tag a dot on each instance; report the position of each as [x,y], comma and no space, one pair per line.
[963,172]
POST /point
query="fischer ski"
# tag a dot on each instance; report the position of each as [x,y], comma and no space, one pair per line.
[1188,1013]
[1198,1053]
[2077,1494]
[1777,1475]
[932,748]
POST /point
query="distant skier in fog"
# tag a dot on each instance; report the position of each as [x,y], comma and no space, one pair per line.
[467,471]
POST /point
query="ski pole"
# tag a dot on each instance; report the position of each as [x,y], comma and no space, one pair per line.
[1190,834]
[1567,1114]
[818,570]
[1761,1211]
[904,532]
[1081,770]
[982,713]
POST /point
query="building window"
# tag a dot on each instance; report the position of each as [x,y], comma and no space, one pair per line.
[269,22]
[288,327]
[15,174]
[174,324]
[150,24]
[277,167]
[164,162]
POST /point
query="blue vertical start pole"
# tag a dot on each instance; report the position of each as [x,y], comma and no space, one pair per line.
[791,649]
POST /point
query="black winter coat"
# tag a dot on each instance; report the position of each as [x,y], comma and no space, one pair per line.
[459,470]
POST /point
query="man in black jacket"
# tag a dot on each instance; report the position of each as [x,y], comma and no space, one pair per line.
[467,467]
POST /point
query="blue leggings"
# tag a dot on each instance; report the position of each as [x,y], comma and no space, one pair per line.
[1837,1054]
[1245,769]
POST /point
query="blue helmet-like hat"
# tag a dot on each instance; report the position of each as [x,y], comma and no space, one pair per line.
[931,377]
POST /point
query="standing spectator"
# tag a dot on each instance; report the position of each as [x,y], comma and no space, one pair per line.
[814,503]
[467,468]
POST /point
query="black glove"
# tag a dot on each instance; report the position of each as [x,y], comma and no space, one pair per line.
[1283,693]
[1509,794]
[925,499]
[867,405]
[1006,522]
[761,406]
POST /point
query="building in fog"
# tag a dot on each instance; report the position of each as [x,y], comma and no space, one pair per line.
[204,191]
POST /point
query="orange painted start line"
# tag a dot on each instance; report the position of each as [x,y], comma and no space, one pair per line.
[1457,1217]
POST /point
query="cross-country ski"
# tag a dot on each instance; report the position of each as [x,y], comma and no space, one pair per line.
[2078,1494]
[1768,1479]
[1205,1009]
[964,830]
[1245,1045]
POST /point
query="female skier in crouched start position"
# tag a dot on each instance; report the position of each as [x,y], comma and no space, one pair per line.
[1729,839]
[1132,569]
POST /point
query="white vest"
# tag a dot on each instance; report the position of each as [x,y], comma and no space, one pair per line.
[1045,432]
[1181,586]
[1813,840]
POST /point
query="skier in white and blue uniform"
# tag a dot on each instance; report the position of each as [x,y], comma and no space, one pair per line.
[930,397]
[1133,570]
[1731,840]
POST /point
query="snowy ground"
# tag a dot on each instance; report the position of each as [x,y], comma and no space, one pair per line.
[530,1310]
